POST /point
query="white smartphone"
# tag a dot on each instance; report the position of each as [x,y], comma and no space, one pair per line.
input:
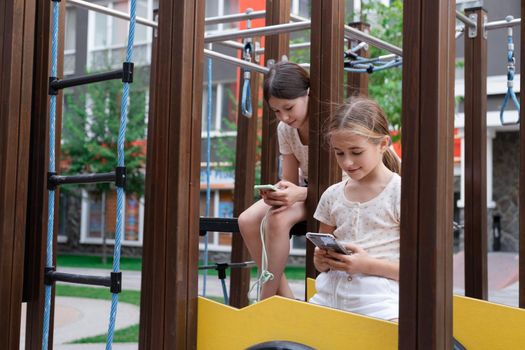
[266,188]
[327,241]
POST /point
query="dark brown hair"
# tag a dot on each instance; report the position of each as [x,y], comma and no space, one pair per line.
[363,116]
[286,80]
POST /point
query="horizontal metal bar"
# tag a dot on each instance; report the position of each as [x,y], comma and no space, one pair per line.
[353,33]
[269,30]
[503,24]
[110,12]
[296,18]
[218,225]
[236,17]
[55,276]
[236,61]
[82,178]
[463,18]
[85,79]
[239,46]
[208,21]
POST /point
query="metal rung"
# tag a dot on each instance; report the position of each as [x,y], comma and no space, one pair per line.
[54,180]
[114,281]
[231,225]
[218,225]
[126,74]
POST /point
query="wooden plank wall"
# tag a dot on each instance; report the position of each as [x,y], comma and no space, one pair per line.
[277,11]
[170,256]
[426,206]
[326,77]
[476,160]
[17,33]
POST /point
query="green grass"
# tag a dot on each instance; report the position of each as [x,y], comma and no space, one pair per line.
[126,335]
[84,261]
[126,296]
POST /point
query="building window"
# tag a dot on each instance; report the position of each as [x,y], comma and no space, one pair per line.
[92,218]
[224,107]
[70,40]
[108,36]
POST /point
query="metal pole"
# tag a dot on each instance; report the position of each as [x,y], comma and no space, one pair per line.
[238,45]
[269,30]
[110,12]
[236,17]
[503,24]
[236,61]
[353,33]
[461,16]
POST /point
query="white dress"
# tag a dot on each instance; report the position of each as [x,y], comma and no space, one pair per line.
[373,225]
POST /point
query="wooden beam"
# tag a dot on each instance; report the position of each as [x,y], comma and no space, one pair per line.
[243,192]
[476,160]
[358,82]
[171,245]
[17,33]
[277,12]
[522,173]
[426,205]
[326,81]
[36,231]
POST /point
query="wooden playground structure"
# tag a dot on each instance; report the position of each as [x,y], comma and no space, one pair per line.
[172,314]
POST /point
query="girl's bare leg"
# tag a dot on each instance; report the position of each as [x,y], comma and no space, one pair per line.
[249,224]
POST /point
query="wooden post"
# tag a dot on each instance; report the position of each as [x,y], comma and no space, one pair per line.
[243,192]
[476,158]
[277,12]
[522,172]
[16,68]
[426,204]
[326,81]
[358,82]
[171,242]
[35,245]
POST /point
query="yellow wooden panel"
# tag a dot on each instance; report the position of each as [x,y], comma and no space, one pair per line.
[224,327]
[482,325]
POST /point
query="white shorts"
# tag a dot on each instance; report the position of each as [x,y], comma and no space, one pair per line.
[363,294]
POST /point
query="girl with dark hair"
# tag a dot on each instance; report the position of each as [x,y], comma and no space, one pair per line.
[267,223]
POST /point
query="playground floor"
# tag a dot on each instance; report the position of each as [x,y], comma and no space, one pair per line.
[77,318]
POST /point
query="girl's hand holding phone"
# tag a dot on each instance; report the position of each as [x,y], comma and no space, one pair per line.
[288,194]
[357,262]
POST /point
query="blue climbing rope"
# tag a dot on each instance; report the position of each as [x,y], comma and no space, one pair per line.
[511,64]
[121,195]
[51,169]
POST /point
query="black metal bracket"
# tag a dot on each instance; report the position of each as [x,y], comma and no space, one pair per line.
[48,271]
[127,72]
[120,176]
[116,282]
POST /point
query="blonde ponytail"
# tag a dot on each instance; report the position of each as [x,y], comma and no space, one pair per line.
[391,161]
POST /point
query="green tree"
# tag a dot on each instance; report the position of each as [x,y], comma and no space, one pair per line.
[386,22]
[90,131]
